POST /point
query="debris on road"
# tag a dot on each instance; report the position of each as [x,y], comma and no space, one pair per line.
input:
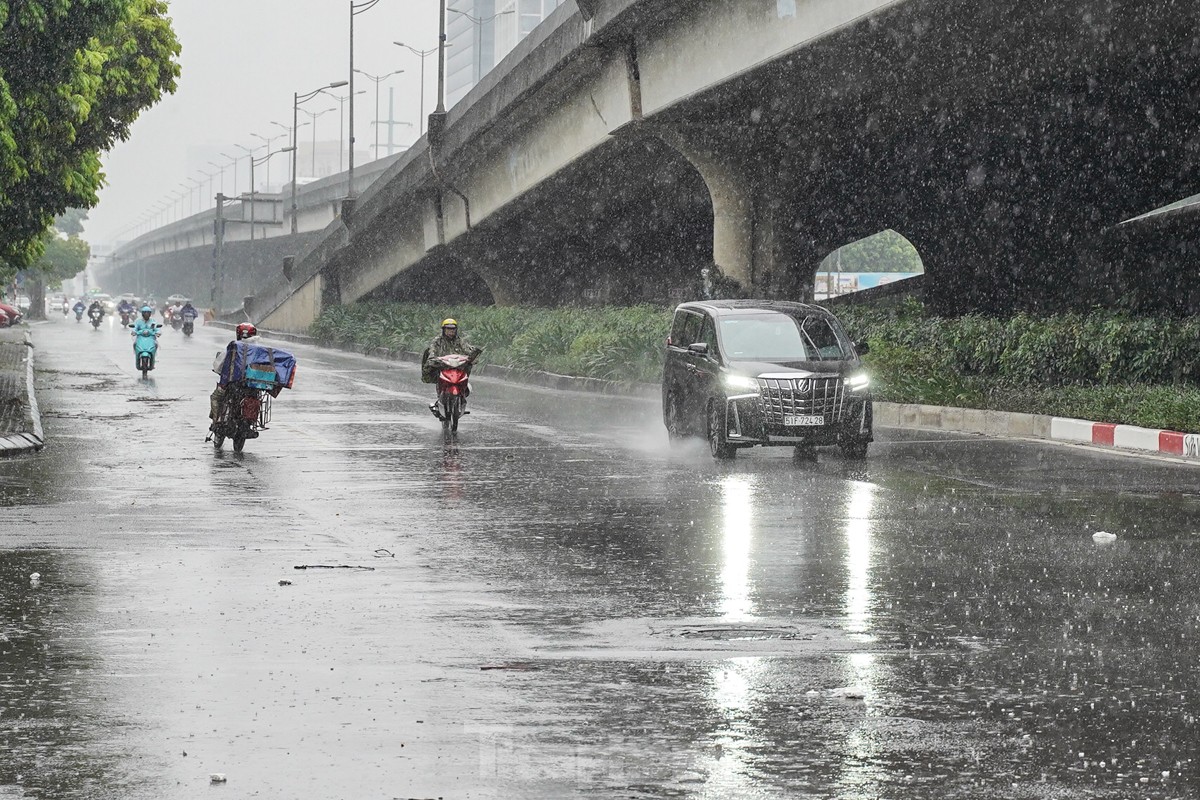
[35,579]
[333,566]
[217,777]
[285,583]
[1104,537]
[849,692]
[516,666]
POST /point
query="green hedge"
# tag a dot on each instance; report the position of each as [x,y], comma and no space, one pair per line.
[622,344]
[1103,366]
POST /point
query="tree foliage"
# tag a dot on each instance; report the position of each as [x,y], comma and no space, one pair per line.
[74,75]
[62,257]
[71,221]
[886,251]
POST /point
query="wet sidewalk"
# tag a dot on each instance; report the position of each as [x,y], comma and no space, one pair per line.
[20,423]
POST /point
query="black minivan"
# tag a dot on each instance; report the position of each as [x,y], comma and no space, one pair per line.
[756,372]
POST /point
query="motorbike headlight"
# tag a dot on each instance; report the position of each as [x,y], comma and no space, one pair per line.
[740,382]
[858,381]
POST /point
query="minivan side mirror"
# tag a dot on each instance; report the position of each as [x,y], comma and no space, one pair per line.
[862,347]
[699,348]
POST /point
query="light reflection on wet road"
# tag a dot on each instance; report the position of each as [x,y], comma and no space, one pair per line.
[653,624]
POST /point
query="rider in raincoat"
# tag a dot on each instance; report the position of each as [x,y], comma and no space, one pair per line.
[449,342]
[141,325]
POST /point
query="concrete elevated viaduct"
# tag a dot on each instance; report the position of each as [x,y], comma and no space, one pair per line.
[632,148]
[181,257]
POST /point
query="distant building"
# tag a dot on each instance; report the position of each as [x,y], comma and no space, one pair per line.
[481,33]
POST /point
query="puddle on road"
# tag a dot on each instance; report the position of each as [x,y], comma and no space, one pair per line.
[701,638]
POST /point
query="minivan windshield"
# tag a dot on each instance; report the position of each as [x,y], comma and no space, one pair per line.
[779,337]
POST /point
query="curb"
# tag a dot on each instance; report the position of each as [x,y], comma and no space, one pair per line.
[1038,426]
[1006,424]
[17,444]
[548,380]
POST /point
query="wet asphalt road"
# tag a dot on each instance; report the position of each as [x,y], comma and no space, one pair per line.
[558,605]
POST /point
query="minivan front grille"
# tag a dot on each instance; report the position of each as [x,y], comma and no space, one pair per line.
[812,396]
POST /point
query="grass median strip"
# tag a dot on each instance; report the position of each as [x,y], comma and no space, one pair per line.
[1104,366]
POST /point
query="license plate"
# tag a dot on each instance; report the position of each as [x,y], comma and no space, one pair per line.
[806,420]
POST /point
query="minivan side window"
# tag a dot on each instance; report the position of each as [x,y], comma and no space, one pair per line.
[685,329]
[708,335]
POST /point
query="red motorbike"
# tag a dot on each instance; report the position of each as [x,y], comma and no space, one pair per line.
[452,388]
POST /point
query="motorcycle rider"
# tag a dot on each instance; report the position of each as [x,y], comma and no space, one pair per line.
[245,332]
[449,342]
[145,324]
[95,309]
[188,312]
[126,308]
[79,308]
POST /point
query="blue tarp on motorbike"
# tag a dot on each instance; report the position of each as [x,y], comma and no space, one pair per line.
[253,363]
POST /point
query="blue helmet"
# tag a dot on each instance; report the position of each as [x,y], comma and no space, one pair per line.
[147,310]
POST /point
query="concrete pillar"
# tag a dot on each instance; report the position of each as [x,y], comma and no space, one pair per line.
[758,247]
[491,267]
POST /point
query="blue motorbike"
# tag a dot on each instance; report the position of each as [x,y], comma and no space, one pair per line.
[145,346]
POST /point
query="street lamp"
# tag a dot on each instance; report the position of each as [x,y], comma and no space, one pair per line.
[250,151]
[441,106]
[297,99]
[378,79]
[222,168]
[312,117]
[479,22]
[210,176]
[421,54]
[268,141]
[233,160]
[355,10]
[253,163]
[187,187]
[342,123]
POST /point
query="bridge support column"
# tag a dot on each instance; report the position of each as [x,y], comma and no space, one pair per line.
[757,244]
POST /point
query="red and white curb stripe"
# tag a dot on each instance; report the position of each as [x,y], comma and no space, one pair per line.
[1129,437]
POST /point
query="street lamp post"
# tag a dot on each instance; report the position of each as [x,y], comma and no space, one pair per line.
[254,162]
[479,23]
[378,79]
[313,115]
[355,10]
[342,124]
[297,99]
[210,176]
[233,160]
[267,142]
[420,54]
[250,151]
[441,106]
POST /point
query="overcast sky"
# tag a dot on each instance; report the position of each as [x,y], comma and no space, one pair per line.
[242,60]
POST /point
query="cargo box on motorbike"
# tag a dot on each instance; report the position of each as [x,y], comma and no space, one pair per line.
[266,368]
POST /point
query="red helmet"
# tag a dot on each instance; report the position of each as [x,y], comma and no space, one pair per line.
[246,330]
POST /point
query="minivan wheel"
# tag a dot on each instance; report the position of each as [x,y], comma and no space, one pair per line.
[717,444]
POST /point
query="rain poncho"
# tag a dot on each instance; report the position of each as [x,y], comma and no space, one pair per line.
[444,346]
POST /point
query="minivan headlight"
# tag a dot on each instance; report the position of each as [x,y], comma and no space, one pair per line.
[741,382]
[858,381]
